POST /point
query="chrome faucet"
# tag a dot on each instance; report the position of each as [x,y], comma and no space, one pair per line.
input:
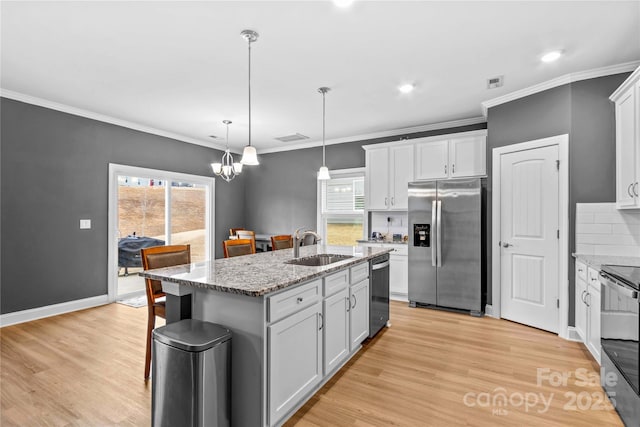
[297,239]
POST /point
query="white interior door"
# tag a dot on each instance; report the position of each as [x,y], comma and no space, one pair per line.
[529,215]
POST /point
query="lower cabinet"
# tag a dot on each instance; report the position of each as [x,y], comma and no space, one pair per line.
[587,308]
[593,321]
[399,273]
[314,328]
[295,359]
[336,329]
[580,304]
[359,313]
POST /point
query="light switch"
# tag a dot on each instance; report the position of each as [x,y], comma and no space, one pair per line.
[85,224]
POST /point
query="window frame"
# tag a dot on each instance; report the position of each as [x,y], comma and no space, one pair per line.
[320,215]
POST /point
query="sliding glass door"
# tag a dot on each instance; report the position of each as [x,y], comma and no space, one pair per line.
[150,208]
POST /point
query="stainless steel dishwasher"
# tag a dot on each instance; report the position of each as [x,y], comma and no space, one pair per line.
[379,294]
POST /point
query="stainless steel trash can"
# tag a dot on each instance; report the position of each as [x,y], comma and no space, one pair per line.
[191,375]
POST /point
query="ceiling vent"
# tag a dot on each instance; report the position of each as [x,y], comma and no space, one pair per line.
[495,82]
[292,138]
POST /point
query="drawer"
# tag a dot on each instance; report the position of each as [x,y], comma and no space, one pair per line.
[581,270]
[594,277]
[336,282]
[290,301]
[359,272]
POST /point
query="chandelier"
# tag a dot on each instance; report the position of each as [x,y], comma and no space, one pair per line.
[227,169]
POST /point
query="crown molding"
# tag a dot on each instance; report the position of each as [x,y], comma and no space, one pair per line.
[630,81]
[375,135]
[28,99]
[559,81]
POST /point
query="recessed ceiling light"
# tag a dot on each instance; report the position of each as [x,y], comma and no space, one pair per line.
[343,3]
[407,88]
[551,56]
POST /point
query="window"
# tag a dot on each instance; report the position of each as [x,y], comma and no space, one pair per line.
[341,208]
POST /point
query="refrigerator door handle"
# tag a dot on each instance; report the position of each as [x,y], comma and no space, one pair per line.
[433,225]
[438,234]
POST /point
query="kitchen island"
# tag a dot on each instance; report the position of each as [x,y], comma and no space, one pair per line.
[293,326]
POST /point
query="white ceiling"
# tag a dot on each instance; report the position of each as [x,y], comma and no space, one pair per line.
[181,67]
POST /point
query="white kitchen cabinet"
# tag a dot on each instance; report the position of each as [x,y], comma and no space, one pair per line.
[295,359]
[358,313]
[336,329]
[399,273]
[453,157]
[627,110]
[389,169]
[580,304]
[587,310]
[593,314]
[398,269]
[432,160]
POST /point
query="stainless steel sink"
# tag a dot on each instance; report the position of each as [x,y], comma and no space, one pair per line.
[318,260]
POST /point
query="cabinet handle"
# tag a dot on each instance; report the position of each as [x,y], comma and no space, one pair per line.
[355,301]
[630,190]
[445,169]
[585,299]
[580,270]
[583,296]
[299,300]
[385,201]
[453,168]
[635,189]
[392,201]
[348,304]
[321,321]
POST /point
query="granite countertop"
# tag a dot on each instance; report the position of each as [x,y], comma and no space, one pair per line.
[386,242]
[596,261]
[259,274]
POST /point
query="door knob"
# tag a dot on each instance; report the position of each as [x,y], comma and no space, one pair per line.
[506,245]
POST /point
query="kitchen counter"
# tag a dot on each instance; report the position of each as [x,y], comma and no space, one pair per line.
[596,261]
[384,242]
[293,327]
[259,274]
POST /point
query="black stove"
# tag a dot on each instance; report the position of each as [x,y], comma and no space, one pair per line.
[620,328]
[630,276]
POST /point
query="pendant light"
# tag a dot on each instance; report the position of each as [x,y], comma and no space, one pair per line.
[227,169]
[323,173]
[249,155]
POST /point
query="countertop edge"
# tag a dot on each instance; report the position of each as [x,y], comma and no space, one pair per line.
[597,261]
[270,289]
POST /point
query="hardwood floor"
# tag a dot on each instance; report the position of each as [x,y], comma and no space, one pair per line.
[430,368]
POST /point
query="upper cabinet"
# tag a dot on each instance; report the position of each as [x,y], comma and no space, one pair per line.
[627,102]
[390,166]
[389,169]
[451,158]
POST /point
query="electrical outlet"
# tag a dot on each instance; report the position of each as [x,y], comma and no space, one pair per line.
[85,224]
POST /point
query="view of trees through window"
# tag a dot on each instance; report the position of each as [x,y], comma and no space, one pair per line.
[343,210]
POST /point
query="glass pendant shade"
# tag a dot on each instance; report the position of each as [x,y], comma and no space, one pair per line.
[249,156]
[323,173]
[217,168]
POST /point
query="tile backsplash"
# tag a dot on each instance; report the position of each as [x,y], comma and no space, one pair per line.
[397,225]
[601,229]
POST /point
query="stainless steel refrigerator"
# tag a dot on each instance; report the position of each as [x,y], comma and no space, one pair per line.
[446,244]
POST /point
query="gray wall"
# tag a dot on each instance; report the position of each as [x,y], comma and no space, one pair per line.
[582,110]
[54,171]
[281,192]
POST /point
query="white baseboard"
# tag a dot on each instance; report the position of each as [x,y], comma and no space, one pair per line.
[51,310]
[397,296]
[573,335]
[488,311]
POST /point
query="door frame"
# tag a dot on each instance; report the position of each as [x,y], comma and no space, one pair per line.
[112,230]
[562,141]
